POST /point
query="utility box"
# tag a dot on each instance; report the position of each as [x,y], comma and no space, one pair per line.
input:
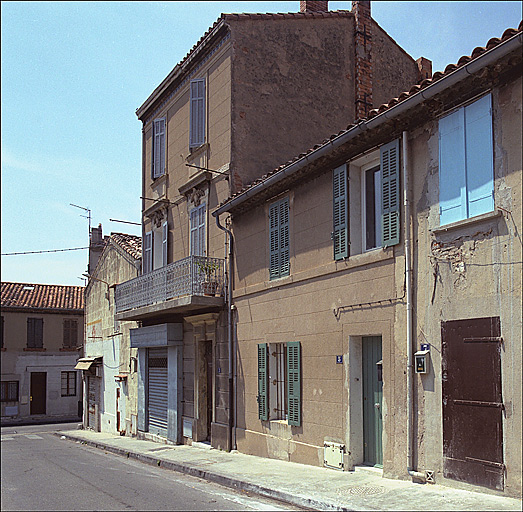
[333,455]
[421,361]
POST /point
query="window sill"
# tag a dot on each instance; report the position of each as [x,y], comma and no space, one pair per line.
[68,349]
[27,349]
[466,222]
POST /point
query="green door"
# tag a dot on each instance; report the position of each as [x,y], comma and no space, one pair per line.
[372,401]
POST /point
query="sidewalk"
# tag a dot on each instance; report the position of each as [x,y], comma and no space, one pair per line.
[306,486]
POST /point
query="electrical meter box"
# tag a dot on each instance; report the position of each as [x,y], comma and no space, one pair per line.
[421,361]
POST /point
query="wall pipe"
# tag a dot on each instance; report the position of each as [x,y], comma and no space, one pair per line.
[408,292]
[230,344]
[432,90]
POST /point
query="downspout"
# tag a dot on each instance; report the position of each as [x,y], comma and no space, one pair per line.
[232,410]
[408,293]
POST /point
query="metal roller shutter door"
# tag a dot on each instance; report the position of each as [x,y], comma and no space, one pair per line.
[91,402]
[158,392]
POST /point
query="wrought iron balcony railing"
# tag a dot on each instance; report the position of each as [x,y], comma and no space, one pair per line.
[195,275]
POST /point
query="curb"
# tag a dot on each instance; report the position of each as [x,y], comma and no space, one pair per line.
[233,483]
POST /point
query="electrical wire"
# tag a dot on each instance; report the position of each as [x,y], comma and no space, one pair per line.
[40,252]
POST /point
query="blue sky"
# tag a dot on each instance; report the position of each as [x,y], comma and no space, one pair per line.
[73,74]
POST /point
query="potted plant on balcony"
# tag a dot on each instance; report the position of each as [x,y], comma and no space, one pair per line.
[210,283]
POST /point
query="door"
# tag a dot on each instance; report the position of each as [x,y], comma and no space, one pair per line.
[472,401]
[157,386]
[208,364]
[38,392]
[372,401]
[92,401]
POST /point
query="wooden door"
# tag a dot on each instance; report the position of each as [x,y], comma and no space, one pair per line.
[472,401]
[372,402]
[38,392]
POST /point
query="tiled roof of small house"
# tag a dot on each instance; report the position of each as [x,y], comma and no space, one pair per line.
[131,244]
[42,296]
[465,59]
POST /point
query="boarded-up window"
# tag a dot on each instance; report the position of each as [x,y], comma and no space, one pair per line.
[35,333]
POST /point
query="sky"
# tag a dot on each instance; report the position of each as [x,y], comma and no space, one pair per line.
[73,75]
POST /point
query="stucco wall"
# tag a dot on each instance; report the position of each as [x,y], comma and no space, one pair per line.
[110,340]
[478,274]
[18,364]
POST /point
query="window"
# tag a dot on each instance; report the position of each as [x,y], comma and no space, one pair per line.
[197,113]
[279,382]
[35,333]
[165,241]
[372,207]
[2,332]
[147,263]
[198,217]
[70,333]
[466,173]
[158,148]
[68,383]
[279,265]
[10,391]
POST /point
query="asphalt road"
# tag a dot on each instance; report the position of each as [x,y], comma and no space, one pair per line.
[40,471]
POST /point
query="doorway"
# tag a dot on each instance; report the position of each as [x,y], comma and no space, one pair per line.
[372,401]
[472,401]
[38,392]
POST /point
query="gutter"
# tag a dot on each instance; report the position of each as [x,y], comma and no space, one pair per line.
[408,292]
[432,90]
[230,342]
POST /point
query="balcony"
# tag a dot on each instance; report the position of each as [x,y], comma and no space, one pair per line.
[188,285]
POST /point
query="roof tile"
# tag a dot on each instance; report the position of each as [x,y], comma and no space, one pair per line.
[42,296]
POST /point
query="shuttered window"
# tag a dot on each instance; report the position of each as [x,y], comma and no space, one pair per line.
[158,148]
[70,333]
[294,382]
[340,199]
[198,218]
[466,160]
[390,193]
[9,391]
[35,333]
[263,376]
[197,113]
[147,264]
[279,239]
[165,241]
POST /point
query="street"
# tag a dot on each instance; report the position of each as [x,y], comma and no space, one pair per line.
[41,471]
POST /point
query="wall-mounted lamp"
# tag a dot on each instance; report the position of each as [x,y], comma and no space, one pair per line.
[101,281]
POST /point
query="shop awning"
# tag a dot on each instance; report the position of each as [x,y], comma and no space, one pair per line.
[84,363]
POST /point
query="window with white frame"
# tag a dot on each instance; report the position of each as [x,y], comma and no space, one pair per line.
[197,228]
[68,383]
[197,113]
[466,162]
[158,148]
[371,214]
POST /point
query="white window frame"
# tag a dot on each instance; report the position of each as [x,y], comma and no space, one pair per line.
[165,243]
[375,162]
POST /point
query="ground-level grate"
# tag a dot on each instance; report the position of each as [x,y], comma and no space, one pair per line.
[361,490]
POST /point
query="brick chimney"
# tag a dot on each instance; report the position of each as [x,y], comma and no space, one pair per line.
[425,68]
[309,6]
[363,58]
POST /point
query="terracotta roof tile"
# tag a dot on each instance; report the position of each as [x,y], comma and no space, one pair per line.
[42,296]
[129,243]
[438,75]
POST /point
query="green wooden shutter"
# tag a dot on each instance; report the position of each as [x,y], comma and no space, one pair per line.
[294,382]
[263,377]
[390,194]
[340,228]
[279,239]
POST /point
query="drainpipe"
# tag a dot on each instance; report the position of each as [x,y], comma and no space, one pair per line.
[408,293]
[232,409]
